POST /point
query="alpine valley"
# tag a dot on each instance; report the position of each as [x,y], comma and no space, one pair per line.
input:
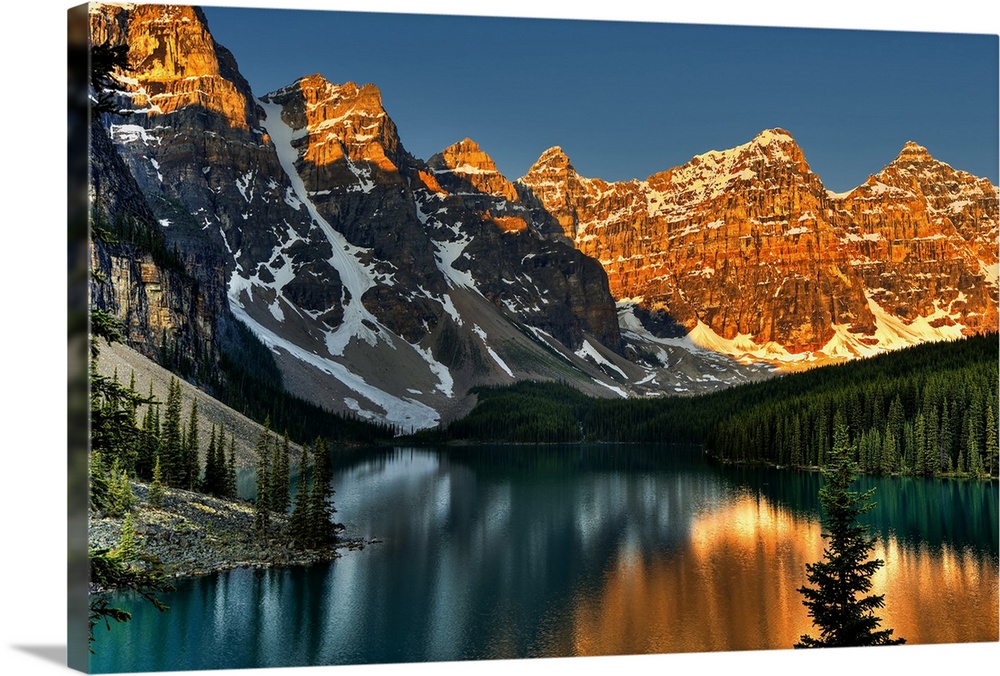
[387,286]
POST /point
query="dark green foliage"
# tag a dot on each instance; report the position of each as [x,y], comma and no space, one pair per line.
[298,523]
[191,450]
[838,601]
[310,525]
[530,412]
[262,502]
[149,441]
[229,486]
[100,486]
[214,478]
[156,491]
[280,476]
[925,395]
[113,430]
[917,411]
[172,454]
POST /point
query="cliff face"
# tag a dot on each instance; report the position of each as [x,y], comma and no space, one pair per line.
[389,286]
[301,214]
[156,300]
[747,250]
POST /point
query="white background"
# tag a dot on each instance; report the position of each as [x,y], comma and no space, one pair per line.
[32,329]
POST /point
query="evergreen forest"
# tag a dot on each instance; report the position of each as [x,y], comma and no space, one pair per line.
[928,410]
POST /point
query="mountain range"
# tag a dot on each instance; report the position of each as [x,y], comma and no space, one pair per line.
[387,286]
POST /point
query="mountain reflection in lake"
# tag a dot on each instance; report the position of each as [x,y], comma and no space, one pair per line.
[522,551]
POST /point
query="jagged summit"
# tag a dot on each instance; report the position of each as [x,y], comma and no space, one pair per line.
[913,152]
[345,125]
[463,166]
[554,156]
[175,62]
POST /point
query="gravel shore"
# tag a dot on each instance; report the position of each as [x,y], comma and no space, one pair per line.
[196,534]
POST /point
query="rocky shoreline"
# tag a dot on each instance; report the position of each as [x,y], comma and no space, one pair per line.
[194,534]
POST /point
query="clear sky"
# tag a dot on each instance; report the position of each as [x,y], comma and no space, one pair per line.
[627,99]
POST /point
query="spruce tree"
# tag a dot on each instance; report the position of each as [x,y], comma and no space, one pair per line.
[974,458]
[150,444]
[320,509]
[280,476]
[100,487]
[991,440]
[192,450]
[211,482]
[839,603]
[172,453]
[298,524]
[945,440]
[156,493]
[230,484]
[127,549]
[262,503]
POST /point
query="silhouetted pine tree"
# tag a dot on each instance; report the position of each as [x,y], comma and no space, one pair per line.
[839,603]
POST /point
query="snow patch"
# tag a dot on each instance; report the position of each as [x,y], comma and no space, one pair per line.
[130,133]
[500,362]
[588,350]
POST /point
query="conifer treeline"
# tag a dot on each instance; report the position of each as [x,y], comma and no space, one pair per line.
[165,450]
[940,416]
[168,447]
[924,410]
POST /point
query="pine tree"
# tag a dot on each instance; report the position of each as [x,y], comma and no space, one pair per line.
[839,603]
[890,452]
[262,503]
[991,440]
[320,509]
[127,548]
[100,487]
[211,483]
[230,484]
[298,524]
[191,450]
[121,497]
[280,477]
[150,444]
[945,437]
[172,455]
[156,488]
[974,458]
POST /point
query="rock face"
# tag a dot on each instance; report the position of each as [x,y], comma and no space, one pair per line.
[746,250]
[301,214]
[388,286]
[152,295]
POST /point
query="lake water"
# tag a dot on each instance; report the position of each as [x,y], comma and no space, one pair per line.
[555,551]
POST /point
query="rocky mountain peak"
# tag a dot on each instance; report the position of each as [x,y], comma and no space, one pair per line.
[174,61]
[464,165]
[552,159]
[911,153]
[342,122]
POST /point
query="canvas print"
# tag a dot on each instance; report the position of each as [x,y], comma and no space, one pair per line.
[427,338]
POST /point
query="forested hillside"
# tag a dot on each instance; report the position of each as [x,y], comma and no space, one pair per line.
[926,410]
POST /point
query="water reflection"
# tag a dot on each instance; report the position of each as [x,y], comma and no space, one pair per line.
[518,552]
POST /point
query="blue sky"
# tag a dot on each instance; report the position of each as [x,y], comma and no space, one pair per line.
[627,99]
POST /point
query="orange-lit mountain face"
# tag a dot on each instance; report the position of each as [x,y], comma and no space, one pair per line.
[388,286]
[300,215]
[749,253]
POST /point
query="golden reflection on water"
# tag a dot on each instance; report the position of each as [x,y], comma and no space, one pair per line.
[735,588]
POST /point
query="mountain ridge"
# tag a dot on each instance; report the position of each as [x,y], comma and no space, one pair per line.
[388,286]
